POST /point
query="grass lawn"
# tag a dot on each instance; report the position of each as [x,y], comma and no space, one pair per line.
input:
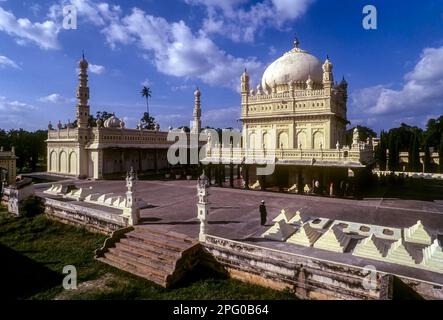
[35,250]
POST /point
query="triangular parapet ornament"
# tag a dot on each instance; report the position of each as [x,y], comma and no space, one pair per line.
[333,240]
[433,257]
[397,253]
[287,216]
[367,248]
[280,231]
[305,236]
[417,234]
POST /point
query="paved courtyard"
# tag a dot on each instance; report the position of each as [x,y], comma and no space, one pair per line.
[234,215]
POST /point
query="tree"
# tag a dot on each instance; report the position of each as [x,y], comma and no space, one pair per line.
[363,132]
[440,153]
[393,151]
[381,151]
[147,122]
[146,93]
[92,121]
[414,154]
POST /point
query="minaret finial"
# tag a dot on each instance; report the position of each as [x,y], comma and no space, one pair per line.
[83,54]
[296,42]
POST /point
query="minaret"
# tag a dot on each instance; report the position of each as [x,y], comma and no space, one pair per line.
[83,94]
[202,205]
[328,77]
[196,123]
[244,91]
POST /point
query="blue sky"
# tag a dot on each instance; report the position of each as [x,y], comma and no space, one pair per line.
[395,73]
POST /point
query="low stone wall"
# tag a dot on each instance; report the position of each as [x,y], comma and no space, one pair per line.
[309,278]
[92,219]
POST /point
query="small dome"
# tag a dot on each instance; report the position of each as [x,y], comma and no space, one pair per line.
[113,122]
[197,93]
[294,65]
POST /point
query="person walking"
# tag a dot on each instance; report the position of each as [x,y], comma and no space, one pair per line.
[263,213]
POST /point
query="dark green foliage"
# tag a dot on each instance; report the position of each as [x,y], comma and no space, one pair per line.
[363,132]
[52,245]
[380,151]
[440,153]
[30,147]
[414,154]
[393,159]
[146,93]
[147,122]
[32,207]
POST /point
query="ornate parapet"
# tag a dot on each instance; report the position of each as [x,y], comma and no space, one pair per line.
[345,157]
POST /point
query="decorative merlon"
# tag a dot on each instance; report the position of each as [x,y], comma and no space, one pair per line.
[417,234]
[398,254]
[334,239]
[305,236]
[433,257]
[280,231]
[368,248]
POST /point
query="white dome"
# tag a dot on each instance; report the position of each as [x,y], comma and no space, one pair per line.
[294,65]
[113,122]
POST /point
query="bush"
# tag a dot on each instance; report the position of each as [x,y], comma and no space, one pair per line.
[32,207]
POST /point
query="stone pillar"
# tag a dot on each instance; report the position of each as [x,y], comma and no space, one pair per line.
[202,205]
[131,210]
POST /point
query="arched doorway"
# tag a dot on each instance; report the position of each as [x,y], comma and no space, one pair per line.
[63,165]
[73,163]
[318,140]
[53,162]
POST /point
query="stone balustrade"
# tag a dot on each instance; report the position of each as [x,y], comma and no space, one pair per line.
[360,154]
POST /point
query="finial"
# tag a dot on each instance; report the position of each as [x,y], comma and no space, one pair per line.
[83,54]
[296,42]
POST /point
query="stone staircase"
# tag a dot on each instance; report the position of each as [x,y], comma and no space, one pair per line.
[158,255]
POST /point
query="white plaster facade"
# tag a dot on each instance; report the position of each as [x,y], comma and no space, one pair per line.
[93,152]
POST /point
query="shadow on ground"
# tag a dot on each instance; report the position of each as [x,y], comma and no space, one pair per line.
[22,277]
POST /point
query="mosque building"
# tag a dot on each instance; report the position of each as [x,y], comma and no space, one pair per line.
[109,147]
[296,119]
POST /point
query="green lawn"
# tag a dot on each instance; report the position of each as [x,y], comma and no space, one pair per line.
[36,250]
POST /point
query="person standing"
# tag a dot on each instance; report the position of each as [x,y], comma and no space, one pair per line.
[263,213]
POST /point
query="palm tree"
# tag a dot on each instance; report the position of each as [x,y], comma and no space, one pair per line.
[146,93]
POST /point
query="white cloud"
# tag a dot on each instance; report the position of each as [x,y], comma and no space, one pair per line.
[240,23]
[13,106]
[6,62]
[96,69]
[177,51]
[422,90]
[55,98]
[23,30]
[96,13]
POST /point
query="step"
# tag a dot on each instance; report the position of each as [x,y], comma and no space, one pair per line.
[132,270]
[166,267]
[138,269]
[158,241]
[147,251]
[166,233]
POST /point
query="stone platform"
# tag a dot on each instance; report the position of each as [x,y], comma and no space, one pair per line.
[234,215]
